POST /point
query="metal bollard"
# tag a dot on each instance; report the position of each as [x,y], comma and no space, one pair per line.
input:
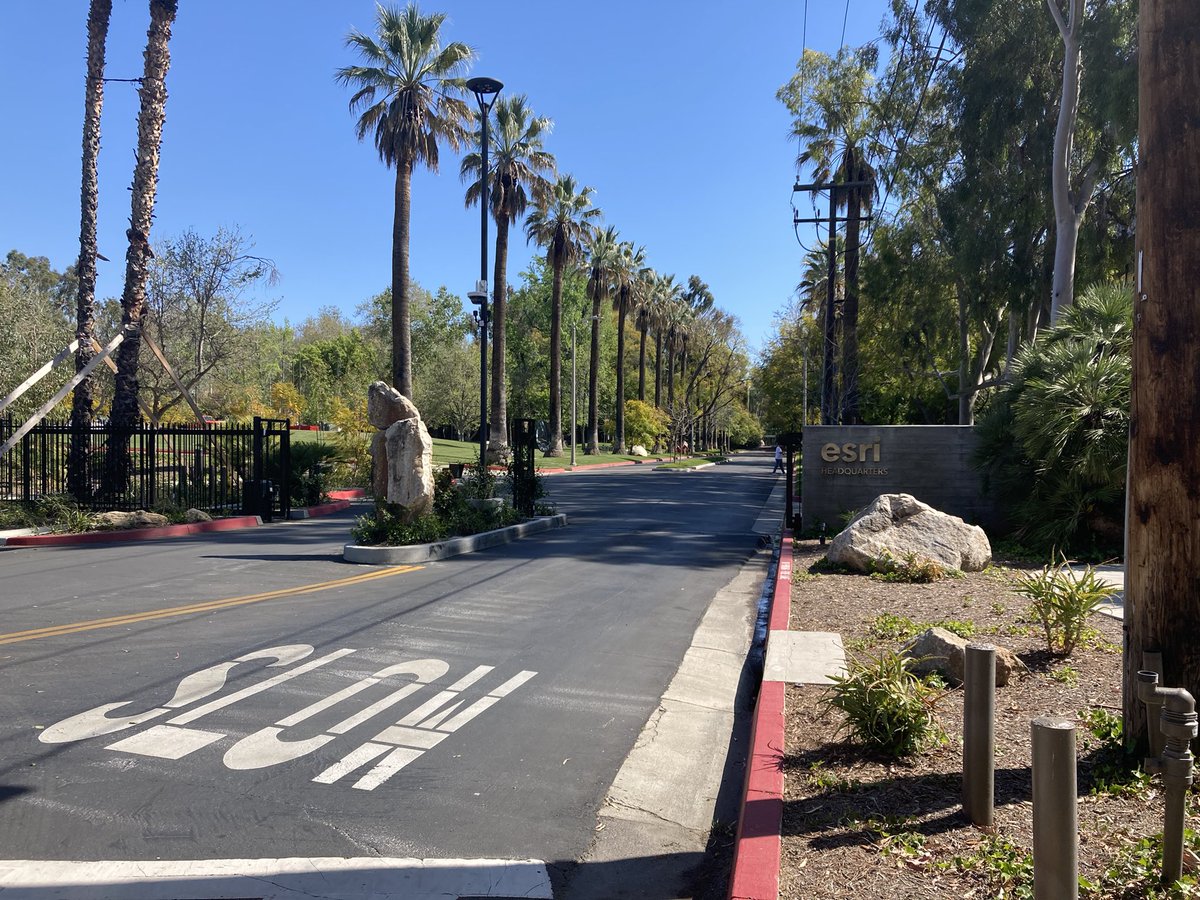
[979,734]
[1055,815]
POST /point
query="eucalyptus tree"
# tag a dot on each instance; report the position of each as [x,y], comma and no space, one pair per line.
[517,164]
[627,284]
[699,301]
[151,115]
[604,258]
[561,222]
[833,122]
[408,96]
[83,399]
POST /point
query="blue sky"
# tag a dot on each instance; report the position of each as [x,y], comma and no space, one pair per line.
[665,107]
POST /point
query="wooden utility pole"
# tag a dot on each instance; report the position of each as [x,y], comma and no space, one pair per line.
[1162,556]
[831,406]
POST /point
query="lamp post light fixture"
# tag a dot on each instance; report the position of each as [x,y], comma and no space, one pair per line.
[485,91]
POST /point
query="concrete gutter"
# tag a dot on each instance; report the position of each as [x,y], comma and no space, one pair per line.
[421,553]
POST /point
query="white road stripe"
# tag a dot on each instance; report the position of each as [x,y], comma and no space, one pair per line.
[167,741]
[316,878]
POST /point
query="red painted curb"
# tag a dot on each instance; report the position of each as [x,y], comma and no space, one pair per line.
[348,494]
[324,509]
[134,534]
[755,873]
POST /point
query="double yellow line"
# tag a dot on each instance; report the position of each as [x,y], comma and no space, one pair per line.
[34,634]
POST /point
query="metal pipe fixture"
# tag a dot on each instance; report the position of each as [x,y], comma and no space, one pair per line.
[1178,724]
[1055,814]
[979,734]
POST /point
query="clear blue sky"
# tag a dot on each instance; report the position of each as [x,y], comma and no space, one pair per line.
[665,107]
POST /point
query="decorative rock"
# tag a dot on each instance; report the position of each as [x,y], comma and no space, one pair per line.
[638,450]
[196,515]
[143,519]
[379,465]
[939,650]
[900,524]
[410,467]
[113,519]
[386,405]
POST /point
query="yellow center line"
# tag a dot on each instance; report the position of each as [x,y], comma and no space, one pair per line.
[193,608]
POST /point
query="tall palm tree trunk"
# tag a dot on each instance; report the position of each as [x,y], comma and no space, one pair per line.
[619,437]
[498,429]
[850,406]
[84,399]
[145,186]
[401,309]
[593,429]
[642,364]
[658,349]
[556,441]
[671,373]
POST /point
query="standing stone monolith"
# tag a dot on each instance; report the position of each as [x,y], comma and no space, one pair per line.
[401,451]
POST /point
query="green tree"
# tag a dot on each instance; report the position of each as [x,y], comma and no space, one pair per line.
[32,299]
[517,163]
[408,99]
[561,223]
[604,257]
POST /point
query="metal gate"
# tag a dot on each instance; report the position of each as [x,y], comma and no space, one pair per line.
[269,494]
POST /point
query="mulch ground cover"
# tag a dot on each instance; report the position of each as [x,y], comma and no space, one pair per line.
[862,825]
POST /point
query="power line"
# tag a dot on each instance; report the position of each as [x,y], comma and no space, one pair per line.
[845,17]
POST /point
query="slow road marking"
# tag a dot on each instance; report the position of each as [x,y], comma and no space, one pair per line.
[33,634]
[322,878]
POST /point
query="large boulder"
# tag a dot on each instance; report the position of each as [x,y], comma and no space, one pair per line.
[939,650]
[386,405]
[638,450]
[409,467]
[379,464]
[897,525]
[193,515]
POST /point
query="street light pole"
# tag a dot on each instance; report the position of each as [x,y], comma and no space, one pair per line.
[485,91]
[573,420]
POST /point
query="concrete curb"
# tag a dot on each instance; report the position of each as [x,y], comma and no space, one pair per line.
[759,842]
[135,534]
[348,494]
[567,470]
[707,465]
[321,509]
[421,553]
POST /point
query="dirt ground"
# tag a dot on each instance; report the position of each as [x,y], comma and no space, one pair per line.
[857,825]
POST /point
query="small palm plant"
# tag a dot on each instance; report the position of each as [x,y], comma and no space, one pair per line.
[1062,601]
[887,706]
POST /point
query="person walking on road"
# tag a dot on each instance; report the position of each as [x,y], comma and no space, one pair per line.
[778,467]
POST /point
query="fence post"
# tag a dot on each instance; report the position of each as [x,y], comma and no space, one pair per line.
[152,468]
[979,737]
[1055,814]
[254,507]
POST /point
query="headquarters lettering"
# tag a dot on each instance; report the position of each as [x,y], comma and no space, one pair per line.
[851,453]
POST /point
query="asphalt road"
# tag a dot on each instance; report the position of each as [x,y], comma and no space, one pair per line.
[249,695]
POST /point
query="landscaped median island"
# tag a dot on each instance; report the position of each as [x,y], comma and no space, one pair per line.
[466,516]
[859,822]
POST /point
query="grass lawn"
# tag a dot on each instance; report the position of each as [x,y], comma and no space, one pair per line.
[465,452]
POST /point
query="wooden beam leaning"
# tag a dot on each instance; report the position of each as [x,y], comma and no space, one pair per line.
[183,391]
[112,367]
[45,408]
[39,374]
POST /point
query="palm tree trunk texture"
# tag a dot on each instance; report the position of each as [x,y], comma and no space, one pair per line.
[671,373]
[498,428]
[151,115]
[619,418]
[850,406]
[658,349]
[1162,552]
[556,441]
[642,365]
[401,308]
[593,429]
[84,399]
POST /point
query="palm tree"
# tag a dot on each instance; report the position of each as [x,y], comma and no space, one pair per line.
[560,223]
[603,260]
[666,293]
[408,98]
[643,317]
[698,299]
[627,281]
[151,114]
[516,168]
[84,397]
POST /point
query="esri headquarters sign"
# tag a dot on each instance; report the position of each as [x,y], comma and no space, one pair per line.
[845,467]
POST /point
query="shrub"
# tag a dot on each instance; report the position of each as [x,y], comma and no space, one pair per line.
[645,424]
[1062,602]
[887,706]
[909,568]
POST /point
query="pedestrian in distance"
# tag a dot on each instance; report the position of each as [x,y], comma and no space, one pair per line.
[778,467]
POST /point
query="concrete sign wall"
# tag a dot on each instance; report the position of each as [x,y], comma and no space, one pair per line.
[845,467]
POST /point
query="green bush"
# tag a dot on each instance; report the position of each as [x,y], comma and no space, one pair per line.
[887,706]
[1053,443]
[910,568]
[1062,602]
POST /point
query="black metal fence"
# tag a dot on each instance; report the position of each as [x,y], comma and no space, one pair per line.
[223,469]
